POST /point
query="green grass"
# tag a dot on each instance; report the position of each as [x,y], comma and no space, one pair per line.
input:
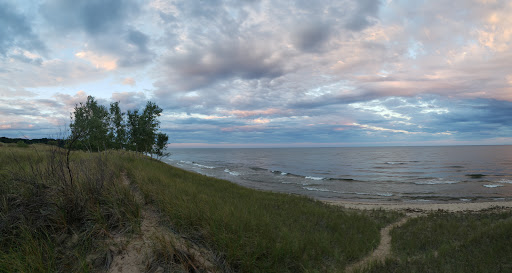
[50,224]
[258,231]
[47,223]
[452,242]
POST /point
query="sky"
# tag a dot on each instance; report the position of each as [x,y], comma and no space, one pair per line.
[262,73]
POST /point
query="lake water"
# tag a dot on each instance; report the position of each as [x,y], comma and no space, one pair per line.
[369,174]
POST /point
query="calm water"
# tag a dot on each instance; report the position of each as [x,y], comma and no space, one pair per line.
[371,174]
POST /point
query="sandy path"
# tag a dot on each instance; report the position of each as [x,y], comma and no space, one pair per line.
[136,252]
[134,256]
[411,210]
[383,250]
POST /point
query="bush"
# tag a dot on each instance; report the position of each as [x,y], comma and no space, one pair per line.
[21,144]
[53,143]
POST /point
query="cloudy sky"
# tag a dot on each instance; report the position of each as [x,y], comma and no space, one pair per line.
[265,73]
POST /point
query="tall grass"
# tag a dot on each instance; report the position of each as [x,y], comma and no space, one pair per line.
[452,242]
[47,223]
[258,231]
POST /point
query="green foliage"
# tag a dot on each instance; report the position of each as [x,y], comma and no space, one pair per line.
[95,128]
[21,144]
[7,140]
[160,145]
[143,127]
[90,125]
[53,143]
[117,130]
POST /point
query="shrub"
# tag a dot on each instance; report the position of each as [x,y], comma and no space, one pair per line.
[21,144]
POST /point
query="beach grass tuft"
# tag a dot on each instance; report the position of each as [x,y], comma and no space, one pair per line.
[49,224]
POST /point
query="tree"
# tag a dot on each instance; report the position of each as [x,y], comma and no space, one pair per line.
[117,130]
[143,128]
[160,145]
[90,125]
[134,131]
[93,127]
[150,125]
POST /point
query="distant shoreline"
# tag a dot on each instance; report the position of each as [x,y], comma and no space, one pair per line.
[451,207]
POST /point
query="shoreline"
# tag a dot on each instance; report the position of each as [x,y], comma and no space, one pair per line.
[449,207]
[395,205]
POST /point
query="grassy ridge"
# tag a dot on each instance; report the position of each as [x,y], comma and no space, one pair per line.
[452,242]
[259,231]
[47,223]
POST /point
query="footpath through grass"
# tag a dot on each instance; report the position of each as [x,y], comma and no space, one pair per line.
[452,242]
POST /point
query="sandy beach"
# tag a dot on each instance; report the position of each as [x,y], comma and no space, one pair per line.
[452,207]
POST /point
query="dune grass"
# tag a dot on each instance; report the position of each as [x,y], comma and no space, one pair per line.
[51,224]
[258,231]
[47,223]
[452,242]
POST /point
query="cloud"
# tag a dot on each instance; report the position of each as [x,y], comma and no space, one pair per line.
[130,100]
[92,16]
[55,72]
[129,81]
[311,37]
[365,15]
[99,61]
[200,67]
[239,71]
[8,92]
[108,28]
[16,31]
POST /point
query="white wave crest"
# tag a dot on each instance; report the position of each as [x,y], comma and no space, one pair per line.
[435,182]
[232,172]
[203,166]
[314,178]
[505,181]
[316,189]
[492,186]
[386,194]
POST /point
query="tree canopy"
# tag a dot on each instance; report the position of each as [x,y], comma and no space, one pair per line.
[95,128]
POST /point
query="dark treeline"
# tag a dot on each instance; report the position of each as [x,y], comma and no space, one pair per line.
[95,127]
[49,141]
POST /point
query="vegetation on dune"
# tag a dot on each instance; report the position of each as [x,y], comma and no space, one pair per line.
[258,231]
[452,242]
[48,224]
[52,225]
